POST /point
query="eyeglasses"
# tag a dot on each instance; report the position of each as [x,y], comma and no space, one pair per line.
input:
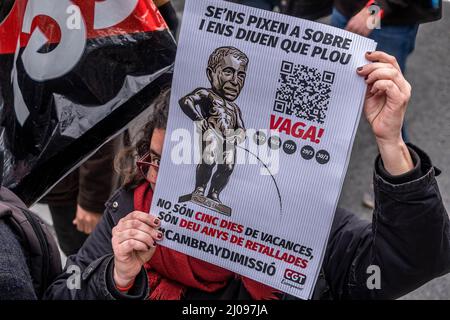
[148,160]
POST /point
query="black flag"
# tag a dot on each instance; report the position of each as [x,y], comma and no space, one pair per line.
[73,74]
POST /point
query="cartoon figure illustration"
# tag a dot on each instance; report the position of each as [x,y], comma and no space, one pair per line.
[219,119]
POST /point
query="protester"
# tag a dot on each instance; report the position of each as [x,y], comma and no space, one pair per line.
[169,14]
[5,8]
[306,9]
[395,34]
[261,4]
[29,255]
[409,238]
[77,202]
[15,279]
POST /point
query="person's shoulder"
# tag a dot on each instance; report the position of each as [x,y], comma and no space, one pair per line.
[120,204]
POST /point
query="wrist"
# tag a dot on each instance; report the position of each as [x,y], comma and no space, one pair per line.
[125,289]
[122,282]
[390,143]
[395,155]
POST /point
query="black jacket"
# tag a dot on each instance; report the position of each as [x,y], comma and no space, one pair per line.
[15,279]
[307,9]
[409,239]
[29,256]
[396,12]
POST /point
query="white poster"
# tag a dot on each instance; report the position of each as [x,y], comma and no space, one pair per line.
[263,113]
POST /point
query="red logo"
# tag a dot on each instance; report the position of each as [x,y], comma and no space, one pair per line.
[295,276]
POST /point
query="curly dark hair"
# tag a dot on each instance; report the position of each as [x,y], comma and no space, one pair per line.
[125,161]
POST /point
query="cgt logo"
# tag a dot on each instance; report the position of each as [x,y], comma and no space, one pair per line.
[295,276]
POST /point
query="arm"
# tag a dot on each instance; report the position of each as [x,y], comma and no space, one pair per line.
[92,268]
[96,179]
[95,186]
[169,14]
[408,239]
[360,23]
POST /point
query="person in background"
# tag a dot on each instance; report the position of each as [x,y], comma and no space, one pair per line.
[409,238]
[307,9]
[395,33]
[397,28]
[77,202]
[169,14]
[15,279]
[261,4]
[29,256]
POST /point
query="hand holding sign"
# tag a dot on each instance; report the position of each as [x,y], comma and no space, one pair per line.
[268,78]
[134,243]
[387,97]
[385,106]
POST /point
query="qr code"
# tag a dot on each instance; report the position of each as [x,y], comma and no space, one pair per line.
[304,92]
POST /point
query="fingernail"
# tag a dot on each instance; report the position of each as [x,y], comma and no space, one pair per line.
[359,68]
[156,221]
[160,235]
[369,53]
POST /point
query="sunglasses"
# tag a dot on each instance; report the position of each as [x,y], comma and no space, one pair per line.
[148,160]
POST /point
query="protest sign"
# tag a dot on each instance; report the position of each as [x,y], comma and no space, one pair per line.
[263,113]
[72,75]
